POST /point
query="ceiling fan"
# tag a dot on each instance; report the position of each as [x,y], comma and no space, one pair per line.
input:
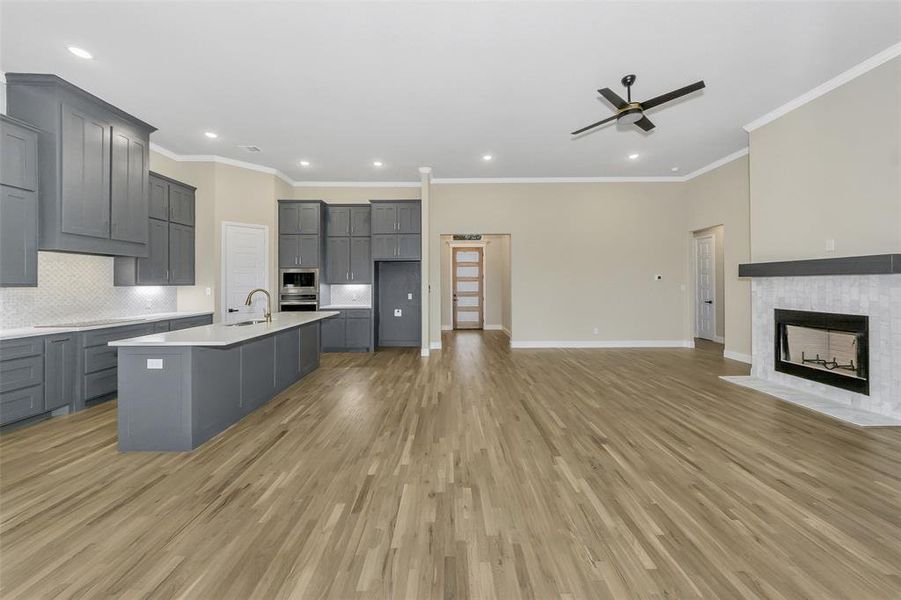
[633,112]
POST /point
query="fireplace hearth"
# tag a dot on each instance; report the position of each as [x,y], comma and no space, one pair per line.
[828,348]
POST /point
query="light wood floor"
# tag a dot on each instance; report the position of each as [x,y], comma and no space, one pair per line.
[478,473]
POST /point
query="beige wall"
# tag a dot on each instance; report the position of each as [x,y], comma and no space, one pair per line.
[496,276]
[830,170]
[353,195]
[719,277]
[721,197]
[582,256]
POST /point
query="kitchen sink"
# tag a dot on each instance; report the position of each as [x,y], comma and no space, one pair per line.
[243,323]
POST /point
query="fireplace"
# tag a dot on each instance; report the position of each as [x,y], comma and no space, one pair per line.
[828,348]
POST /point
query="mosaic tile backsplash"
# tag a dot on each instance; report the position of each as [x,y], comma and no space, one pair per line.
[877,296]
[73,287]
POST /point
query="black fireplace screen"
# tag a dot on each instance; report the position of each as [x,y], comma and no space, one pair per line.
[825,347]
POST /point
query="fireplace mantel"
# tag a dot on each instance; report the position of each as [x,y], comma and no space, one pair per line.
[874,264]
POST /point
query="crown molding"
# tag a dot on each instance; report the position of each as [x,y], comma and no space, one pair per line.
[477,180]
[837,81]
[717,164]
[357,184]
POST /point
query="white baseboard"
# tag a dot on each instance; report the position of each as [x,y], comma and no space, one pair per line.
[603,344]
[447,328]
[507,331]
[424,352]
[745,358]
[436,345]
[493,327]
[719,339]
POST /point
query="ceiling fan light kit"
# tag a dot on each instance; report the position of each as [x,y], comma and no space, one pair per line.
[632,113]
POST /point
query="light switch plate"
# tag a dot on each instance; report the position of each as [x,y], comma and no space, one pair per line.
[409,296]
[154,363]
[398,312]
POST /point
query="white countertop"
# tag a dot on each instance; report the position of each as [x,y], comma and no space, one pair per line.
[345,306]
[220,334]
[23,332]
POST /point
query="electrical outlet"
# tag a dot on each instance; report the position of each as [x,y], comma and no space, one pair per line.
[595,331]
[409,296]
[830,245]
[658,277]
[398,312]
[208,291]
[154,363]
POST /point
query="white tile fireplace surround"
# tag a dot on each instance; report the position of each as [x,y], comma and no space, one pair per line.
[877,296]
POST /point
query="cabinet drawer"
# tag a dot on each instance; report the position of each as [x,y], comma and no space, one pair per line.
[21,373]
[357,313]
[102,336]
[99,358]
[21,348]
[20,404]
[189,322]
[100,383]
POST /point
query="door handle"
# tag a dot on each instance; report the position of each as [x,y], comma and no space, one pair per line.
[708,301]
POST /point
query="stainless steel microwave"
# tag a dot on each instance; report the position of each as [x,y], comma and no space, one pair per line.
[299,281]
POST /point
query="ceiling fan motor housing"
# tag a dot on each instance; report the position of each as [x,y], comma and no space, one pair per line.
[630,114]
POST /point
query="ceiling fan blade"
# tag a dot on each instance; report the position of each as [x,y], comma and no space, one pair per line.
[672,95]
[613,98]
[644,123]
[593,125]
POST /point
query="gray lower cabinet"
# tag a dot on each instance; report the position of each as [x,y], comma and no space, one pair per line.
[171,240]
[21,379]
[258,372]
[396,247]
[93,161]
[350,330]
[18,203]
[188,322]
[60,369]
[309,347]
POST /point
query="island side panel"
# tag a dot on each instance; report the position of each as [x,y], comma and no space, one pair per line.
[257,372]
[154,406]
[216,378]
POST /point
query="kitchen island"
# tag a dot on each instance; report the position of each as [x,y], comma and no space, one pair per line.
[179,389]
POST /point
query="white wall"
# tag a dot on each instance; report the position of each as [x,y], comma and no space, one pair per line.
[831,170]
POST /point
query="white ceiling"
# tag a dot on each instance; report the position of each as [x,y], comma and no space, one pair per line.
[440,84]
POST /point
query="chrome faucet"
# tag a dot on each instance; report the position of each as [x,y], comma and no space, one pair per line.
[268,314]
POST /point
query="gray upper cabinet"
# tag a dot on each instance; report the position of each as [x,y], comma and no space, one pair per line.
[18,155]
[181,205]
[159,198]
[409,246]
[384,246]
[85,174]
[409,217]
[384,218]
[130,188]
[397,247]
[171,253]
[360,217]
[60,354]
[18,237]
[360,260]
[93,160]
[299,217]
[337,221]
[338,260]
[298,250]
[181,254]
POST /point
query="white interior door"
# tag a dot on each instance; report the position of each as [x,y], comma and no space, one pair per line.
[706,287]
[468,288]
[245,266]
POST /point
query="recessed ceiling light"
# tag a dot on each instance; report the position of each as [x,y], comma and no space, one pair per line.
[79,52]
[211,135]
[674,169]
[487,157]
[633,156]
[377,163]
[304,163]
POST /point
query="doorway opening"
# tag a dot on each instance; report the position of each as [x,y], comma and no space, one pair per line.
[476,282]
[709,277]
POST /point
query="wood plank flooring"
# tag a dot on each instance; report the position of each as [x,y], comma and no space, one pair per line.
[478,473]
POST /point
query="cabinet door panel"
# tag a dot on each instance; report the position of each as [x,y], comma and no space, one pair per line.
[384,247]
[288,250]
[408,217]
[409,246]
[338,260]
[18,157]
[20,404]
[18,237]
[287,358]
[59,371]
[181,254]
[159,199]
[154,270]
[360,260]
[288,217]
[309,218]
[357,333]
[384,218]
[21,373]
[129,177]
[333,332]
[360,221]
[181,205]
[308,248]
[338,221]
[309,348]
[85,174]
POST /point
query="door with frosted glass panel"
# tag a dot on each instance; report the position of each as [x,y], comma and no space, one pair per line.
[467,288]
